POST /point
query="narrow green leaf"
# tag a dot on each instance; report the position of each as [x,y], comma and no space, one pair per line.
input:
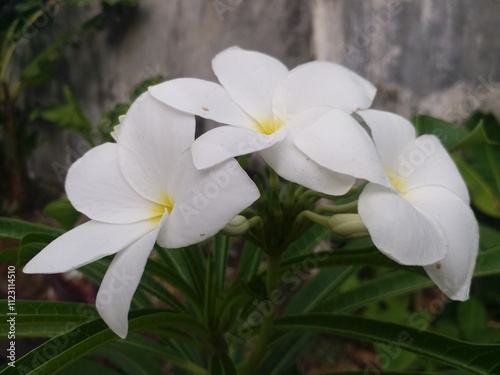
[145,345]
[16,229]
[221,248]
[376,371]
[128,361]
[388,285]
[471,319]
[306,243]
[488,262]
[449,134]
[339,257]
[170,276]
[59,352]
[476,358]
[47,318]
[86,367]
[318,289]
[63,212]
[222,365]
[283,354]
[188,264]
[249,262]
[28,252]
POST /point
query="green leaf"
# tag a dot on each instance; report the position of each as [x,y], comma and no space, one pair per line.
[38,70]
[485,127]
[388,285]
[130,361]
[398,282]
[28,252]
[47,318]
[16,229]
[306,243]
[221,248]
[86,367]
[449,134]
[482,194]
[489,237]
[475,358]
[221,364]
[339,257]
[69,116]
[141,344]
[471,319]
[63,212]
[44,238]
[188,262]
[249,262]
[89,336]
[282,355]
[376,371]
[318,289]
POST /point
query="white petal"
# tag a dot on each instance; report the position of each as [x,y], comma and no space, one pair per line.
[225,142]
[96,187]
[86,243]
[337,142]
[426,162]
[402,232]
[391,133]
[120,283]
[202,98]
[453,273]
[250,79]
[322,83]
[205,201]
[152,136]
[294,165]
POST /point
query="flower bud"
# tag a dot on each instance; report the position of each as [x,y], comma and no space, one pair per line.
[348,225]
[238,226]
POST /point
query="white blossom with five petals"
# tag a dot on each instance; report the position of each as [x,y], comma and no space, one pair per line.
[299,120]
[424,218]
[140,190]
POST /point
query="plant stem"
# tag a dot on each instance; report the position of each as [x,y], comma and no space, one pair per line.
[272,280]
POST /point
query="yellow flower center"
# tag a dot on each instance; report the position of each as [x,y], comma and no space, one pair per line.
[158,209]
[397,181]
[268,126]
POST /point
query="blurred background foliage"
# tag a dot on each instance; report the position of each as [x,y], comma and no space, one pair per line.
[37,66]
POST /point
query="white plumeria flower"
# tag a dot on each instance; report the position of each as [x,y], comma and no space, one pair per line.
[424,218]
[299,121]
[141,190]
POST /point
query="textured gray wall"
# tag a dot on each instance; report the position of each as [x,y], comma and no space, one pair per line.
[432,56]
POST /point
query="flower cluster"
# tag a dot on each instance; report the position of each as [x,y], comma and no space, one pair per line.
[415,206]
[312,125]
